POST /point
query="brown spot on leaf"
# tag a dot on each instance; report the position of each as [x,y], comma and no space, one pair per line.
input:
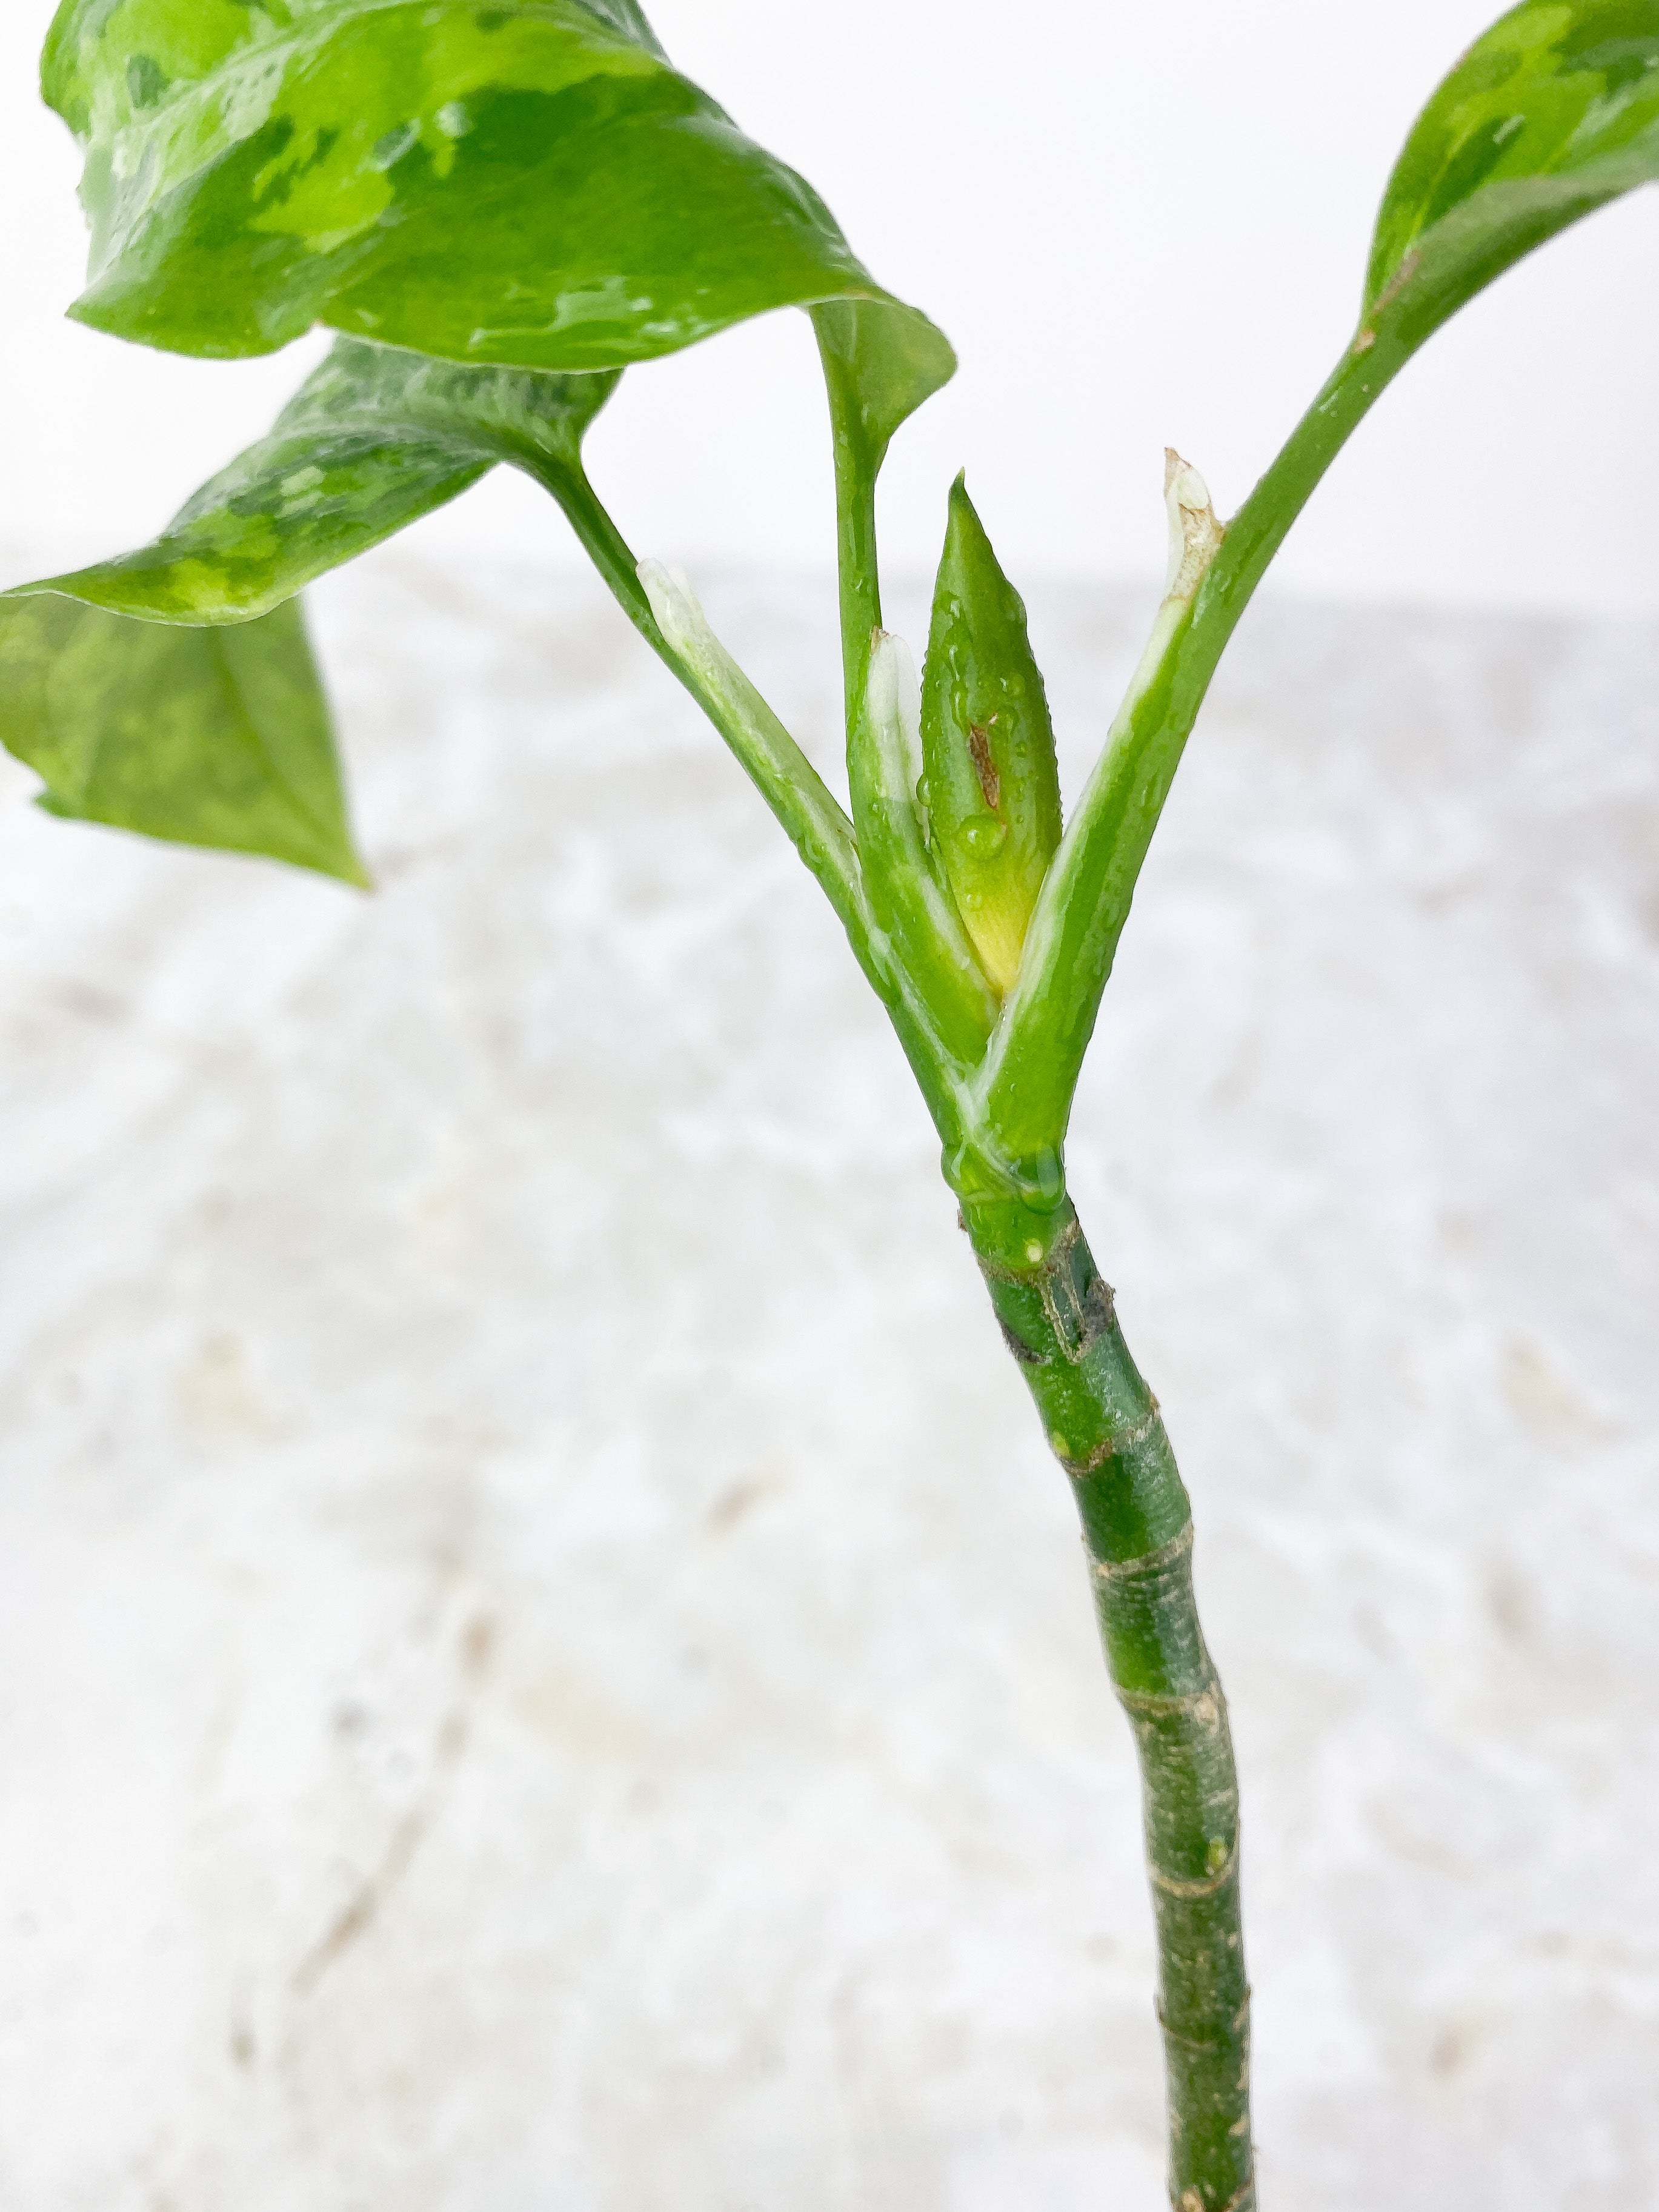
[990,782]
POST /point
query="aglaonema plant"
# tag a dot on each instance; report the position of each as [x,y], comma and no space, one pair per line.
[499,209]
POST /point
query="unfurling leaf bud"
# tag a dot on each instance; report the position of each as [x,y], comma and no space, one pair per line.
[894,698]
[990,788]
[680,617]
[1195,533]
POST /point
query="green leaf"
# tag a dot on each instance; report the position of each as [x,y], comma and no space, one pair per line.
[178,726]
[1551,114]
[375,439]
[625,16]
[527,183]
[881,360]
[205,737]
[987,747]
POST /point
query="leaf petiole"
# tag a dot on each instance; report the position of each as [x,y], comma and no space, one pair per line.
[661,607]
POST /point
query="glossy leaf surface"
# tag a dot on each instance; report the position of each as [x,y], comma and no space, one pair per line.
[627,17]
[205,737]
[988,745]
[527,183]
[881,363]
[1551,114]
[376,439]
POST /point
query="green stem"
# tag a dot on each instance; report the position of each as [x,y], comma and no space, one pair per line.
[860,448]
[1060,1322]
[610,554]
[792,787]
[808,810]
[1031,1072]
[858,577]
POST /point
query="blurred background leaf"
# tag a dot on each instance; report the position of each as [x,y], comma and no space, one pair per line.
[205,737]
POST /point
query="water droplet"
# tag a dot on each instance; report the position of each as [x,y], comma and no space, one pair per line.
[1041,1180]
[985,835]
[967,1173]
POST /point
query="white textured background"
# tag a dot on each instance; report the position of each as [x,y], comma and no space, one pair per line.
[1141,224]
[543,1665]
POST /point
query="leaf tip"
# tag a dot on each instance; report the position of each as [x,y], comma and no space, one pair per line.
[340,864]
[965,536]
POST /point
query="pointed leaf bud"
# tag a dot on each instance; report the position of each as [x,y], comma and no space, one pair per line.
[991,786]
